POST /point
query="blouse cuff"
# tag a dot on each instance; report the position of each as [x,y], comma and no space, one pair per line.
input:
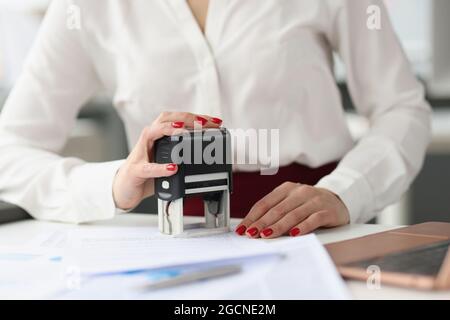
[92,190]
[354,191]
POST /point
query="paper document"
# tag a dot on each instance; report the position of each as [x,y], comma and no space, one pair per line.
[303,271]
[99,250]
[29,273]
[117,263]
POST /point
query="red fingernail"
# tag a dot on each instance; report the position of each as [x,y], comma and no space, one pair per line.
[252,232]
[171,167]
[216,120]
[202,120]
[241,230]
[267,232]
[294,232]
[178,124]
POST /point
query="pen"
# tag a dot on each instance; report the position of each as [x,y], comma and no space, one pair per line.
[203,264]
[195,276]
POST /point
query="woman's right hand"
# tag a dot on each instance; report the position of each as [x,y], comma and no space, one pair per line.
[134,180]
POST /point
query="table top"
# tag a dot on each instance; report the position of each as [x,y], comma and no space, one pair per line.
[23,231]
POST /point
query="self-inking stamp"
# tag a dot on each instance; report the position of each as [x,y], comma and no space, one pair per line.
[204,170]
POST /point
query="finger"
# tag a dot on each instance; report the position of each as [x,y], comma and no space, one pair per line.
[298,194]
[191,120]
[159,130]
[154,170]
[150,134]
[262,206]
[277,213]
[212,120]
[289,221]
[313,222]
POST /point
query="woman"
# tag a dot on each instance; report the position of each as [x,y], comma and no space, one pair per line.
[251,64]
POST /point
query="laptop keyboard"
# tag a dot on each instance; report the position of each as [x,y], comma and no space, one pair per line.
[425,260]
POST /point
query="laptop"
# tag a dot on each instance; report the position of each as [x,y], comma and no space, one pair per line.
[415,257]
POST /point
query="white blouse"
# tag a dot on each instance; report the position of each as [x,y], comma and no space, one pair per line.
[260,64]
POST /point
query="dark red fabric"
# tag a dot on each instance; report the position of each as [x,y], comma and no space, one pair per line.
[249,187]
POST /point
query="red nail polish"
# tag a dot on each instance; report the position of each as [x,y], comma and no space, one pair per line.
[217,121]
[252,232]
[171,167]
[241,230]
[178,124]
[267,232]
[202,120]
[294,232]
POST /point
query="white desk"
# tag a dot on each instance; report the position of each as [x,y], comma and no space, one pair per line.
[23,231]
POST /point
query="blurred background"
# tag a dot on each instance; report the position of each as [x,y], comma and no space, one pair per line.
[423,27]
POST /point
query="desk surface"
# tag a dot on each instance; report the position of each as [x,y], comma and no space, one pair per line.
[23,231]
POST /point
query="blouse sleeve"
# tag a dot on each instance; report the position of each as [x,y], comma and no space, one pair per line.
[381,167]
[37,118]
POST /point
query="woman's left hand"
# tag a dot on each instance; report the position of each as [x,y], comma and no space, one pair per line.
[294,209]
